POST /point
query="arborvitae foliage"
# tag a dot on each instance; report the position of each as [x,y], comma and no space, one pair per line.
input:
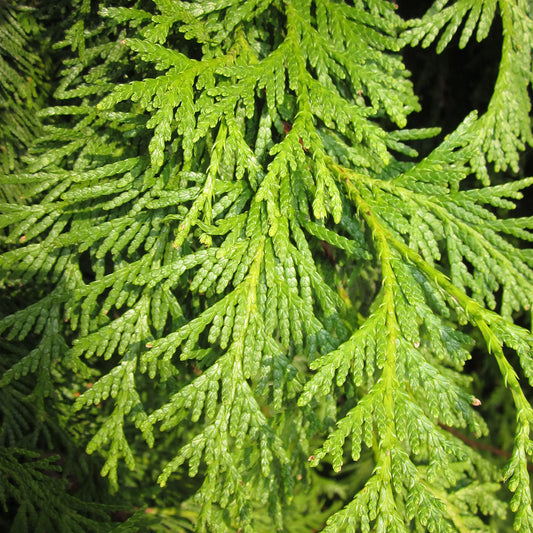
[242,271]
[22,86]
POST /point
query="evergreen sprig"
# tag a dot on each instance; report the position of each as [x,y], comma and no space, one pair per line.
[503,130]
[33,481]
[22,86]
[202,163]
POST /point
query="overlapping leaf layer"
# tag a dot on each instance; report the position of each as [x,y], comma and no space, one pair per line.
[248,261]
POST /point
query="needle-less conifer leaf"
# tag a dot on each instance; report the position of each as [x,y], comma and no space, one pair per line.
[245,270]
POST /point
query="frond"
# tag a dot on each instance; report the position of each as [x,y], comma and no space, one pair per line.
[248,270]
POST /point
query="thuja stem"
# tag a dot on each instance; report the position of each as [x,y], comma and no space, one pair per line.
[478,316]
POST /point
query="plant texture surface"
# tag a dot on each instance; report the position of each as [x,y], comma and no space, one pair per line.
[234,275]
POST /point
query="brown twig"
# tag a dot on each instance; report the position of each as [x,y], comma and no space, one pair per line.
[481,445]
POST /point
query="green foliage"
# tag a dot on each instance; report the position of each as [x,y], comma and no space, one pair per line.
[248,280]
[29,479]
[504,130]
[22,87]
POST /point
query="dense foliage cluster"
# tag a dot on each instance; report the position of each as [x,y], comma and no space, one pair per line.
[233,287]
